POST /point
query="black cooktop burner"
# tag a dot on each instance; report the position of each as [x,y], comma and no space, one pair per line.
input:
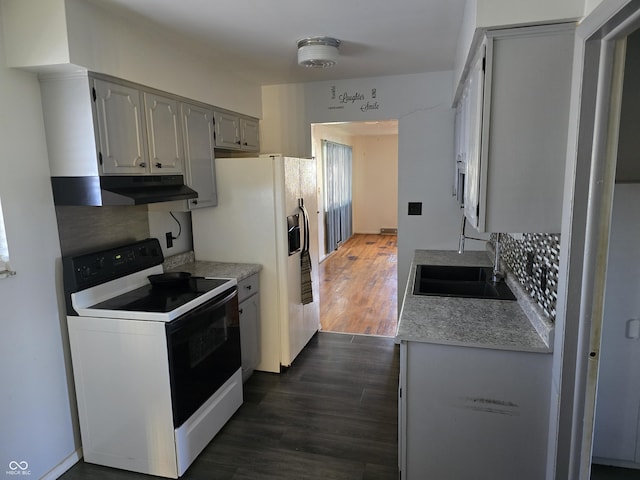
[160,299]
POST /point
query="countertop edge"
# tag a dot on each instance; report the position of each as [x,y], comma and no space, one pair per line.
[484,346]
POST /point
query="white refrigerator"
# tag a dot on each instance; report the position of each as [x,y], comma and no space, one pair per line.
[250,225]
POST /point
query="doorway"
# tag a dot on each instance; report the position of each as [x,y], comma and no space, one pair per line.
[358,280]
[616,422]
[596,162]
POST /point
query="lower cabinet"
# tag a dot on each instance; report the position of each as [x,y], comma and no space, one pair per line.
[249,306]
[469,413]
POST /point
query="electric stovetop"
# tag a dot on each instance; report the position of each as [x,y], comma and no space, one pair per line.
[161,299]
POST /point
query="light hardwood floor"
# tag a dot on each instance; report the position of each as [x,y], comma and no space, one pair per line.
[358,287]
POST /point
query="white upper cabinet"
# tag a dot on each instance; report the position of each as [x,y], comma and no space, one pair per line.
[473,131]
[197,122]
[164,134]
[118,111]
[235,132]
[518,90]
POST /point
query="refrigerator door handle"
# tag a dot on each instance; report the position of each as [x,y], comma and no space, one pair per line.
[305,225]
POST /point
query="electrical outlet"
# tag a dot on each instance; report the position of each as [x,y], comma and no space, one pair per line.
[529,265]
[169,236]
[543,278]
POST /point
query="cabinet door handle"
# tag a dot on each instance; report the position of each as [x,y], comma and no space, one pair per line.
[142,164]
[248,287]
[238,142]
[195,202]
[158,165]
[241,311]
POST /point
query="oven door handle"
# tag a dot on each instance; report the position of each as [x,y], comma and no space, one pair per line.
[178,323]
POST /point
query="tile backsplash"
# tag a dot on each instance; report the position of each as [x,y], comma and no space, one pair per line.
[534,260]
[82,229]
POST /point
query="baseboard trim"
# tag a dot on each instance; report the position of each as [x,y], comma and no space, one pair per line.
[63,466]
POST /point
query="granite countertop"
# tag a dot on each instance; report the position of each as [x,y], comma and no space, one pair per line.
[495,324]
[186,262]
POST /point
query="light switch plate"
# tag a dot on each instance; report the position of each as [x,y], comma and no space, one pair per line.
[415,208]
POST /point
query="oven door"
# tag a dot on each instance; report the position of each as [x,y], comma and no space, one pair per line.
[204,352]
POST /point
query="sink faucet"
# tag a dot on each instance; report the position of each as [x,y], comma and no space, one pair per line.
[497,274]
[463,236]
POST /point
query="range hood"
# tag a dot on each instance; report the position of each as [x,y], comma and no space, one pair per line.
[119,190]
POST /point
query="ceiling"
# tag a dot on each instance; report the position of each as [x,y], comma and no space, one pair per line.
[256,39]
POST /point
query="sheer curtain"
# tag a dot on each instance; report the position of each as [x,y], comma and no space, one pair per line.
[5,270]
[337,174]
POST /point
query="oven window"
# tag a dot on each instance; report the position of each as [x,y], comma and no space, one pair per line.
[204,352]
[204,343]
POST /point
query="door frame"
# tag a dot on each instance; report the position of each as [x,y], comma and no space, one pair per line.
[589,182]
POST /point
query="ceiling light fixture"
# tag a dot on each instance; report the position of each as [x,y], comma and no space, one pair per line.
[318,52]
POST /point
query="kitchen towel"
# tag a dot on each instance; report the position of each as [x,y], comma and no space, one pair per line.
[305,278]
[306,287]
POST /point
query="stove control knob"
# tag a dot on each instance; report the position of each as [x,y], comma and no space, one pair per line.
[85,272]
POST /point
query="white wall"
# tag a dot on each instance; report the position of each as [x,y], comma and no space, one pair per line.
[375,183]
[125,47]
[49,23]
[37,411]
[465,39]
[283,129]
[161,222]
[421,103]
[590,5]
[480,15]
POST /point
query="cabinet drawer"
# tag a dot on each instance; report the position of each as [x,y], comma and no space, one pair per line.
[248,287]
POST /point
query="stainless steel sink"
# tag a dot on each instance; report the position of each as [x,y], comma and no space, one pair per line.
[456,281]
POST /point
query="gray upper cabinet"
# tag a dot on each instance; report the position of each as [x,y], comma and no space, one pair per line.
[164,134]
[118,111]
[249,137]
[236,132]
[515,166]
[227,130]
[122,135]
[197,123]
[97,125]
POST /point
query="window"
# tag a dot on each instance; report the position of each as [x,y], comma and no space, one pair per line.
[5,269]
[338,192]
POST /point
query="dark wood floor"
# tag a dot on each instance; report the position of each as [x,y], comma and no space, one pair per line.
[358,286]
[332,415]
[603,472]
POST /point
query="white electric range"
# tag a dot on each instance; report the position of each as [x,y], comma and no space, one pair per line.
[156,368]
